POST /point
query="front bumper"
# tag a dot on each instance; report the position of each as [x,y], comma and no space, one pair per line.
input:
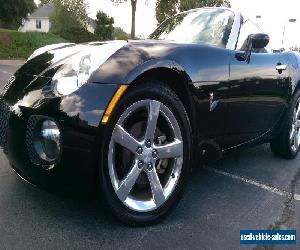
[78,116]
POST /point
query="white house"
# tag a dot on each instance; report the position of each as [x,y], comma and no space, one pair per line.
[40,20]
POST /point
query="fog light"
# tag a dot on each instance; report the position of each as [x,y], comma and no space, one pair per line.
[47,141]
[48,147]
[44,141]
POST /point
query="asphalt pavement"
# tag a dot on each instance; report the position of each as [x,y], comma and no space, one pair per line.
[248,189]
[7,68]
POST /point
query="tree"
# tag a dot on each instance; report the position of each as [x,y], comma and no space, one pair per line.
[165,9]
[120,34]
[104,26]
[168,8]
[43,2]
[295,48]
[69,13]
[70,19]
[12,12]
[133,11]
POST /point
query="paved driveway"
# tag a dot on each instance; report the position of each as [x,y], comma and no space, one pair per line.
[246,190]
[7,68]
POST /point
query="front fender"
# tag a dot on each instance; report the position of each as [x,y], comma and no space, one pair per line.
[156,64]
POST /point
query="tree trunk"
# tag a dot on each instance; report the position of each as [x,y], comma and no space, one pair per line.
[133,10]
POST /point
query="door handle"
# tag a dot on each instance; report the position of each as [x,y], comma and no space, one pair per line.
[281,67]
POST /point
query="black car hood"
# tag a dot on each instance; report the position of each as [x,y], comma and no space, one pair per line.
[52,57]
[39,69]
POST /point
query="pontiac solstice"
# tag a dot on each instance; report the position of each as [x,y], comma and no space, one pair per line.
[131,118]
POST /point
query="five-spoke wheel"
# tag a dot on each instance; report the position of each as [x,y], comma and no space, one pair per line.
[146,155]
[295,128]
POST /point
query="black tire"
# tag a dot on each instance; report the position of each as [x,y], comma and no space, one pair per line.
[282,146]
[159,92]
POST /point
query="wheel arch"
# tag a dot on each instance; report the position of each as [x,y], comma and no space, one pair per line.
[169,73]
[296,88]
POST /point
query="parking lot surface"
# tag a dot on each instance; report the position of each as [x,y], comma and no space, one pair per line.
[249,189]
[7,68]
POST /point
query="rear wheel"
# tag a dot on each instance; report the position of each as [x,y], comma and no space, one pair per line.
[287,144]
[146,155]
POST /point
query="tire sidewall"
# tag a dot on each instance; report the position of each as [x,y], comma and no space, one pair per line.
[290,120]
[159,92]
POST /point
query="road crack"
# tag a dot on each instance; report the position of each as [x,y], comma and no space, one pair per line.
[287,218]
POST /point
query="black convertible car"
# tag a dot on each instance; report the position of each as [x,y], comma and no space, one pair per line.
[130,118]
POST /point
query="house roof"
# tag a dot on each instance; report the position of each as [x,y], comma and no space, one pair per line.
[46,11]
[43,12]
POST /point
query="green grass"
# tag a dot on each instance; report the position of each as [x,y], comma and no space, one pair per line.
[14,44]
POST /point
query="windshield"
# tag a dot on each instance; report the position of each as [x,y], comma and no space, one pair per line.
[210,26]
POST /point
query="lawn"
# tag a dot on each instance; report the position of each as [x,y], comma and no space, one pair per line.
[14,44]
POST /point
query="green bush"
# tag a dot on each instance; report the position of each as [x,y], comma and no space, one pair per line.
[22,44]
[120,34]
[76,35]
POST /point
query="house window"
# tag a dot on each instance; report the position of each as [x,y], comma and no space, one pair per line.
[38,24]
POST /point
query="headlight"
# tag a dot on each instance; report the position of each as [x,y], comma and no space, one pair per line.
[73,74]
[76,71]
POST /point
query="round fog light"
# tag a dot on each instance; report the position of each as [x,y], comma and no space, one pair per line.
[47,141]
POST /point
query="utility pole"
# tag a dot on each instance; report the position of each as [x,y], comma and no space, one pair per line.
[291,20]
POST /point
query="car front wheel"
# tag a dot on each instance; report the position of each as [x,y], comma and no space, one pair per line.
[146,156]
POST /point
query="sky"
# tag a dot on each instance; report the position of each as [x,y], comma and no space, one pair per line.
[274,14]
[145,14]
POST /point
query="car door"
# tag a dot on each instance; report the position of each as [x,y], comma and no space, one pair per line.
[210,92]
[258,91]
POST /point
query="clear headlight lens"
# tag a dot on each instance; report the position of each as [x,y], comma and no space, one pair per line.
[76,71]
[73,74]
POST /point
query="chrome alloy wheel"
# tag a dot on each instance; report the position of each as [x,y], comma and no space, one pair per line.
[295,129]
[143,186]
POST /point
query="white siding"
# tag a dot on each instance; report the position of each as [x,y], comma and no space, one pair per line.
[90,28]
[30,25]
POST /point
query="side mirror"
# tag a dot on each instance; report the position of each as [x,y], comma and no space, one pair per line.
[259,41]
[254,41]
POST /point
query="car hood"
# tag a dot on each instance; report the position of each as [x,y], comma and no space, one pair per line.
[47,59]
[42,65]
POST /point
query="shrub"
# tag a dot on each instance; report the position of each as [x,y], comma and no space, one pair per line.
[14,44]
[76,34]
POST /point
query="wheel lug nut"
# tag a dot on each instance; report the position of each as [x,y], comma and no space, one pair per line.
[148,143]
[154,154]
[149,166]
[140,164]
[139,150]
